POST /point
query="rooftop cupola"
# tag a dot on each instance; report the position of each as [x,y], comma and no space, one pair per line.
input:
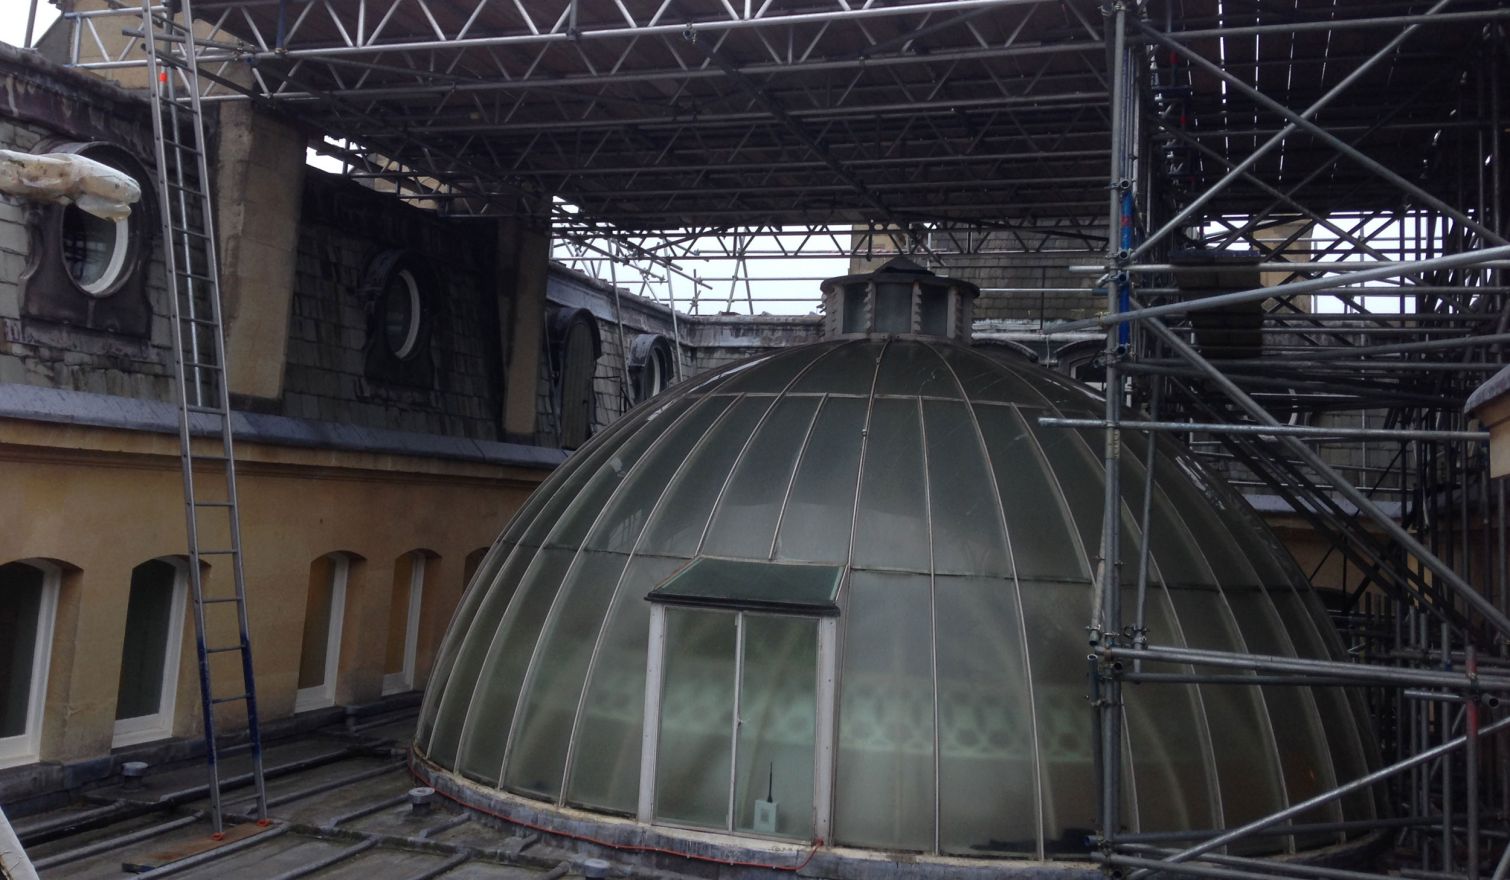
[900,297]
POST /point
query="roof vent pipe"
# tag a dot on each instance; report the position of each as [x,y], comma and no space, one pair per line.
[421,799]
[132,773]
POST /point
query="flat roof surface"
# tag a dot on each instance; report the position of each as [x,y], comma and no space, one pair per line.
[337,798]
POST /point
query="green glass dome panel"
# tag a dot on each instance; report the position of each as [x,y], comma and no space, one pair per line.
[942,710]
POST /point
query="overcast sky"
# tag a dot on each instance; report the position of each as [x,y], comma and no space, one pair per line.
[13,19]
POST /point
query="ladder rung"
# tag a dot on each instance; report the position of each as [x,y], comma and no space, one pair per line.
[156,34]
[180,145]
[217,552]
[213,410]
[182,231]
[197,457]
[212,504]
[201,365]
[167,21]
[236,699]
[202,321]
[220,600]
[188,189]
[222,650]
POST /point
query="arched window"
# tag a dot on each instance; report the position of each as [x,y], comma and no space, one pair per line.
[1083,360]
[320,651]
[403,620]
[652,366]
[473,562]
[28,606]
[576,347]
[148,685]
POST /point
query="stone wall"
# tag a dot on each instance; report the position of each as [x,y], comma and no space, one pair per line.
[345,229]
[336,452]
[706,342]
[40,110]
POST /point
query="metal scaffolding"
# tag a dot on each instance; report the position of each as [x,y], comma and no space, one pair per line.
[1297,212]
[1233,159]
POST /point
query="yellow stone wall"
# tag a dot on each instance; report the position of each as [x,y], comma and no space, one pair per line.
[102,501]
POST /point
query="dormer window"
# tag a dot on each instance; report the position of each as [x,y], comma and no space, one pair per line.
[398,292]
[89,271]
[652,366]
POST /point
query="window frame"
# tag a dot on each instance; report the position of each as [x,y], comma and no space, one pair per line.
[323,695]
[117,269]
[119,304]
[407,274]
[403,680]
[652,366]
[410,346]
[132,235]
[562,324]
[26,747]
[159,725]
[825,718]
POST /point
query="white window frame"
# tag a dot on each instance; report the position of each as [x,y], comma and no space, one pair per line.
[657,381]
[26,747]
[825,719]
[399,682]
[411,335]
[104,286]
[324,694]
[159,725]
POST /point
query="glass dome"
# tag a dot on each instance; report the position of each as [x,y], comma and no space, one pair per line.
[840,593]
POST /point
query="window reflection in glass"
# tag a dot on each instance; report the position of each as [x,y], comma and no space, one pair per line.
[144,655]
[20,606]
[94,249]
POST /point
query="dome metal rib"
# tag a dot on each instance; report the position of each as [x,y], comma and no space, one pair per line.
[966,535]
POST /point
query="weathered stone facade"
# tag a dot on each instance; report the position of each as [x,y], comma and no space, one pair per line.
[334,323]
[703,343]
[41,112]
[339,452]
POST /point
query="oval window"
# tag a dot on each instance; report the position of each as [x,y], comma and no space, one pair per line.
[652,366]
[95,250]
[401,314]
[655,382]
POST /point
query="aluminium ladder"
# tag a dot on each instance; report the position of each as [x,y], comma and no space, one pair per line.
[192,276]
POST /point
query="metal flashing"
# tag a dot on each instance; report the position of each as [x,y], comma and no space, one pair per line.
[753,586]
[39,404]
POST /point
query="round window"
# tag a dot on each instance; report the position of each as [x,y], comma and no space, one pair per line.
[401,314]
[95,250]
